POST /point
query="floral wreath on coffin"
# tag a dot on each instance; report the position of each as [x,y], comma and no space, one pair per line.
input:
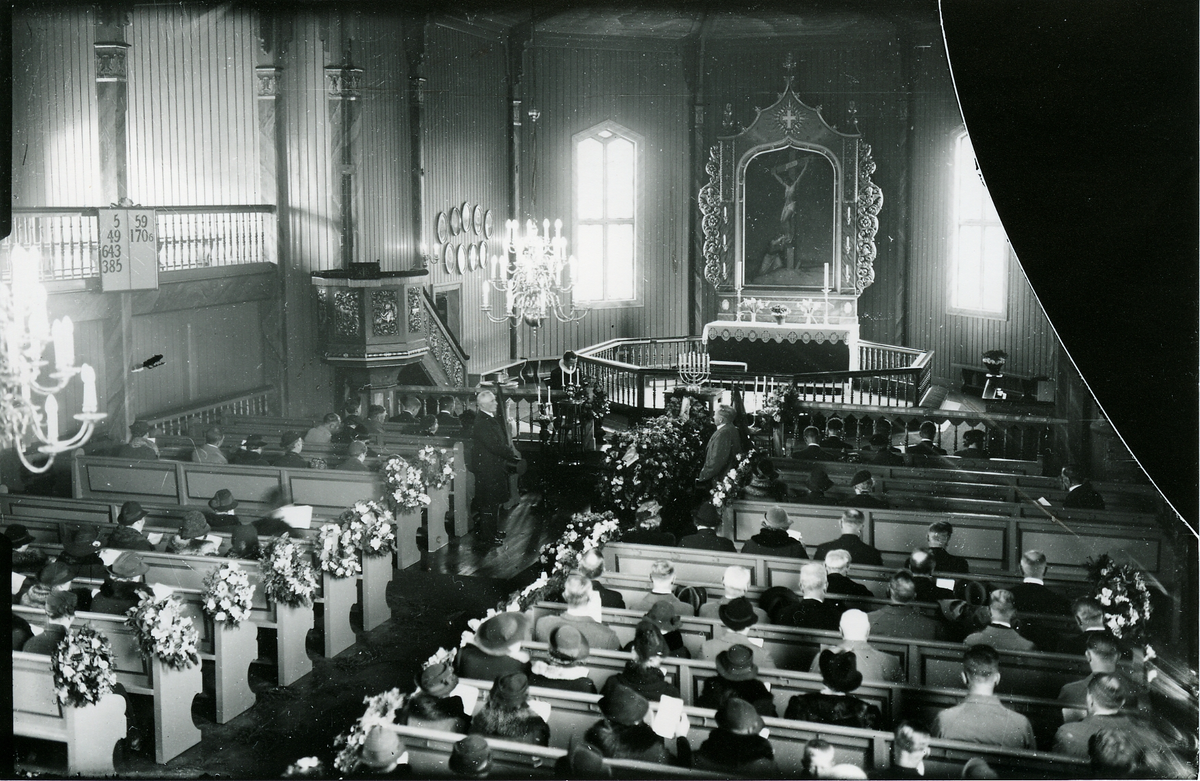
[84,668]
[164,632]
[228,595]
[288,577]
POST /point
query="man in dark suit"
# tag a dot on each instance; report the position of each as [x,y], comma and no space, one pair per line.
[141,443]
[863,484]
[251,452]
[938,537]
[409,412]
[376,417]
[591,565]
[881,452]
[817,484]
[837,564]
[449,408]
[1032,595]
[724,446]
[292,443]
[493,456]
[1089,616]
[814,611]
[707,519]
[812,446]
[922,565]
[1080,494]
[357,458]
[353,426]
[901,618]
[927,431]
[973,445]
[834,437]
[851,523]
[128,534]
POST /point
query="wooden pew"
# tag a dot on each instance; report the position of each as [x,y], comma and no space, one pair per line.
[171,690]
[991,544]
[91,733]
[192,485]
[895,701]
[186,574]
[924,662]
[572,713]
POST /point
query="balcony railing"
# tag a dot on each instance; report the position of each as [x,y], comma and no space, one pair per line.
[191,421]
[189,237]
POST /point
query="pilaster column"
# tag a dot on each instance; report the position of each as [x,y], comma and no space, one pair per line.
[112,101]
[343,86]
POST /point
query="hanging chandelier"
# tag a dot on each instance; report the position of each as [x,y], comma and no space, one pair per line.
[537,282]
[28,407]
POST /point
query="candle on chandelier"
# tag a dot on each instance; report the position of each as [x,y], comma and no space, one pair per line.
[51,407]
[826,285]
[63,332]
[486,295]
[39,321]
[88,376]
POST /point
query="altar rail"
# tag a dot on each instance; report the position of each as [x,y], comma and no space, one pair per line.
[193,419]
[68,238]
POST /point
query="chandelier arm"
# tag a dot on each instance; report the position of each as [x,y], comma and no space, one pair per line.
[31,467]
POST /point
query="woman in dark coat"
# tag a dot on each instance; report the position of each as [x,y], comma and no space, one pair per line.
[123,589]
[834,704]
[737,677]
[642,673]
[432,706]
[563,670]
[737,745]
[623,732]
[507,714]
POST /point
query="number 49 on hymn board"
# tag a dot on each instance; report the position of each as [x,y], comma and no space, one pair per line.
[128,250]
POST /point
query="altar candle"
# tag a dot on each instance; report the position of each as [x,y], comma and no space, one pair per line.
[826,285]
[51,405]
[63,332]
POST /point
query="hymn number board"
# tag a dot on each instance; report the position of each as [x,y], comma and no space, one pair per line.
[128,250]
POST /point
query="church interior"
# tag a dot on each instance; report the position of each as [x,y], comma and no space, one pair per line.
[292,262]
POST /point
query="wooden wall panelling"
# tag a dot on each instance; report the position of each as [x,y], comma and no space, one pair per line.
[644,90]
[466,159]
[192,115]
[55,137]
[1026,333]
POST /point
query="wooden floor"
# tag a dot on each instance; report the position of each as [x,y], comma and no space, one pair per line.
[528,528]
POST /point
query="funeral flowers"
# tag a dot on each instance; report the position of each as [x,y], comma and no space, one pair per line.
[376,537]
[726,489]
[84,668]
[583,532]
[287,573]
[1121,590]
[228,594]
[338,546]
[381,711]
[437,466]
[406,485]
[164,632]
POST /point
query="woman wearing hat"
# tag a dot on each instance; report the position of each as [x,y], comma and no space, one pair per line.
[432,706]
[55,576]
[124,586]
[665,616]
[192,539]
[471,757]
[496,648]
[25,560]
[507,714]
[737,676]
[251,452]
[643,673]
[765,483]
[383,756]
[564,669]
[773,538]
[817,484]
[834,703]
[222,508]
[623,732]
[737,745]
[128,534]
[82,554]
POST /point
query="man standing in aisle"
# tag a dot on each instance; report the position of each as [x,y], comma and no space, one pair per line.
[724,446]
[493,459]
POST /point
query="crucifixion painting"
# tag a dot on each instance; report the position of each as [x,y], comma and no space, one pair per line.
[789,239]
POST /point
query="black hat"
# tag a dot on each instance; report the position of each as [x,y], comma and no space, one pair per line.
[471,757]
[131,513]
[860,477]
[255,442]
[83,542]
[437,680]
[839,670]
[736,663]
[707,516]
[140,428]
[569,644]
[289,438]
[223,500]
[624,706]
[17,535]
[648,642]
[500,631]
[737,614]
[739,717]
[511,689]
[818,480]
[664,616]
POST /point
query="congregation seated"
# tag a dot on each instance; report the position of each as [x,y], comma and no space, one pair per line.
[427,426]
[471,757]
[925,445]
[564,669]
[707,519]
[141,444]
[1080,493]
[1032,595]
[909,749]
[851,523]
[623,733]
[837,565]
[737,676]
[21,631]
[376,417]
[292,443]
[923,566]
[818,759]
[128,534]
[973,442]
[835,704]
[834,440]
[662,589]
[735,580]
[82,554]
[353,427]
[222,510]
[580,613]
[816,485]
[737,616]
[433,705]
[1000,632]
[1103,656]
[25,560]
[192,538]
[643,673]
[1105,698]
[449,410]
[410,409]
[812,446]
[124,587]
[323,432]
[495,649]
[811,610]
[765,483]
[356,460]
[863,484]
[648,531]
[251,452]
[875,665]
[773,539]
[1089,617]
[666,618]
[53,577]
[937,538]
[59,607]
[382,756]
[591,566]
[210,451]
[981,717]
[901,618]
[737,745]
[507,715]
[880,450]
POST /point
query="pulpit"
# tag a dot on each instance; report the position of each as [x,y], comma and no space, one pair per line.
[371,324]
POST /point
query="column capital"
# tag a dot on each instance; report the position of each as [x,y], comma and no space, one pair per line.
[343,83]
[111,61]
[267,81]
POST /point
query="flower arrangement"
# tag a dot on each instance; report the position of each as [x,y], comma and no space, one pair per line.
[406,485]
[583,532]
[288,577]
[376,536]
[306,767]
[446,655]
[228,595]
[1121,589]
[994,360]
[84,668]
[727,488]
[338,545]
[437,466]
[751,305]
[589,398]
[781,403]
[779,310]
[164,632]
[381,711]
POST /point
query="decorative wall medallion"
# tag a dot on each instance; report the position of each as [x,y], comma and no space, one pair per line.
[448,258]
[478,220]
[443,228]
[455,221]
[415,322]
[347,313]
[466,216]
[483,258]
[385,312]
[462,259]
[487,224]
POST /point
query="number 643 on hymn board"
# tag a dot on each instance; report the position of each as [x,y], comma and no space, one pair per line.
[128,250]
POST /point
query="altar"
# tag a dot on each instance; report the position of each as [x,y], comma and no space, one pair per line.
[784,348]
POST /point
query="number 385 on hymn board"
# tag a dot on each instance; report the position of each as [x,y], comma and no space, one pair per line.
[128,250]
